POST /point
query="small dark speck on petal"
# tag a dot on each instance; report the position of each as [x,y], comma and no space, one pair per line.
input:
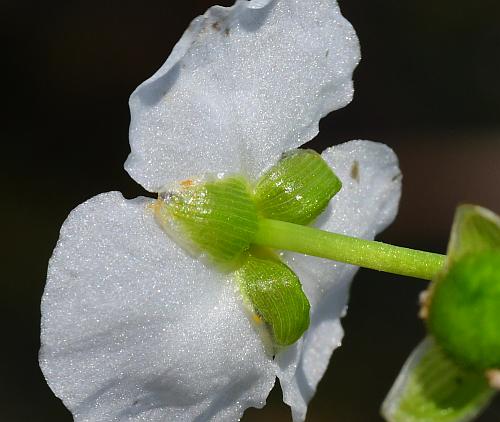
[227,31]
[355,171]
[327,53]
[216,25]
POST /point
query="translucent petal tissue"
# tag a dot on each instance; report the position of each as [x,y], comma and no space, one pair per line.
[134,329]
[246,82]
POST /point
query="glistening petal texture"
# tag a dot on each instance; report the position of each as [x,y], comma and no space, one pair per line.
[366,204]
[134,329]
[242,85]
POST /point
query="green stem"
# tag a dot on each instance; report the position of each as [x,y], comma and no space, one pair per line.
[364,253]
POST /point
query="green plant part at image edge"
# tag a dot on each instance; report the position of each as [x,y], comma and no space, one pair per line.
[464,314]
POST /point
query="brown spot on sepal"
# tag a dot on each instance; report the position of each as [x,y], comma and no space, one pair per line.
[355,171]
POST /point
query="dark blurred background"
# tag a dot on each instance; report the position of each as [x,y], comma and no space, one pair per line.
[428,86]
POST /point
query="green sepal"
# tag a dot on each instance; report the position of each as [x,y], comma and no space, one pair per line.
[214,218]
[296,189]
[274,293]
[432,388]
[475,229]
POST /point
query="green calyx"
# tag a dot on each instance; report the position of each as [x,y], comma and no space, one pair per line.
[296,189]
[464,308]
[216,219]
[274,293]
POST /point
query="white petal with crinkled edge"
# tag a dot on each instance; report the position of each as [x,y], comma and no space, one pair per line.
[241,86]
[134,329]
[366,204]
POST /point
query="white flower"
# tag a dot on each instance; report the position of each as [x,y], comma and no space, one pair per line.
[135,329]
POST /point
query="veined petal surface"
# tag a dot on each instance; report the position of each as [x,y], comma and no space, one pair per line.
[134,329]
[242,85]
[366,204]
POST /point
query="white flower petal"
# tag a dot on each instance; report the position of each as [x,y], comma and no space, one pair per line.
[366,204]
[242,85]
[134,329]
